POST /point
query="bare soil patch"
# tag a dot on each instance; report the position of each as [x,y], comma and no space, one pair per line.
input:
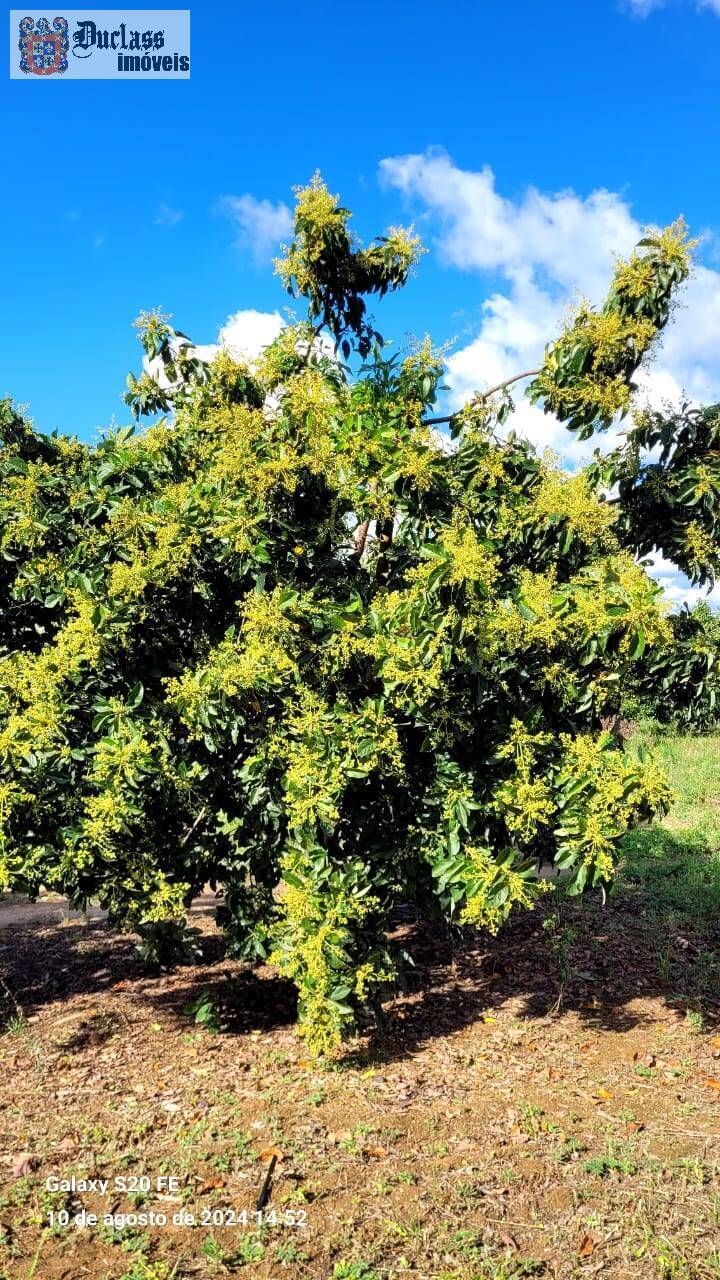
[546,1103]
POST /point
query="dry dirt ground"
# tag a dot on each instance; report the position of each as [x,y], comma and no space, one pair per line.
[543,1104]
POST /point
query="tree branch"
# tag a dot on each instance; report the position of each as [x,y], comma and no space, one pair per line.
[190,831]
[385,530]
[361,533]
[485,395]
[363,529]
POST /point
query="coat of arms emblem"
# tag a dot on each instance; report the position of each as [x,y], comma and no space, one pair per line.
[43,50]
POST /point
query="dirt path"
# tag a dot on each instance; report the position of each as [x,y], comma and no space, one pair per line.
[48,909]
[51,908]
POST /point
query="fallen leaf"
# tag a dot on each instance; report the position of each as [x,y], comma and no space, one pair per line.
[267,1154]
[603,1095]
[212,1184]
[23,1165]
[376,1152]
[336,1138]
[518,1138]
[712,1083]
[587,1247]
[644,1059]
[67,1144]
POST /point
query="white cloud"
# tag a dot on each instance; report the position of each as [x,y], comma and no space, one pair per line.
[563,235]
[261,225]
[691,345]
[168,217]
[686,364]
[676,587]
[643,7]
[548,249]
[246,333]
[512,334]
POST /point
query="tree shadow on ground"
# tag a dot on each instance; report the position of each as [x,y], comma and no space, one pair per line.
[242,1001]
[94,1030]
[49,954]
[47,962]
[658,936]
[51,963]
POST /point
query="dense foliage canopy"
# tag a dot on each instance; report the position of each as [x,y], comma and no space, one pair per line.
[678,683]
[296,641]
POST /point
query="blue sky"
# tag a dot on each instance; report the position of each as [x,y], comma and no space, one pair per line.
[509,114]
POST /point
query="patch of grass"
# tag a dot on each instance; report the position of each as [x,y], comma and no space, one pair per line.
[678,876]
[286,1253]
[249,1248]
[498,1269]
[675,865]
[12,1019]
[204,1012]
[572,1146]
[610,1163]
[693,765]
[354,1271]
[354,1140]
[16,1025]
[695,1021]
[673,1263]
[144,1270]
